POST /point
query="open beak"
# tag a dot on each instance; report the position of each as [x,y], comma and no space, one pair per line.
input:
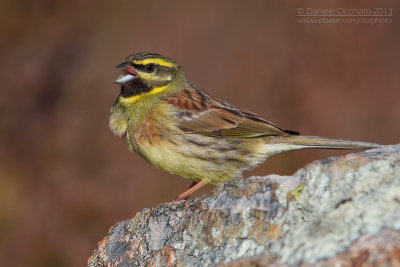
[129,73]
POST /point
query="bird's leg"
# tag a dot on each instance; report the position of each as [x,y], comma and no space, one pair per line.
[193,187]
[190,186]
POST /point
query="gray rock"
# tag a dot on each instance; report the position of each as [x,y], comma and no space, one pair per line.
[337,210]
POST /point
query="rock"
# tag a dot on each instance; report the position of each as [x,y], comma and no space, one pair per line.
[343,210]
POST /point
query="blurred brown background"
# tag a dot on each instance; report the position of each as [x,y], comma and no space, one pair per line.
[65,179]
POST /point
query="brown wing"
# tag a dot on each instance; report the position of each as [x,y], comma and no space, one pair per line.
[201,113]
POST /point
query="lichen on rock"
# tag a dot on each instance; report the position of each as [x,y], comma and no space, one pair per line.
[328,210]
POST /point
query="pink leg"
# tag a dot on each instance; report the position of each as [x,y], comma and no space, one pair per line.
[188,192]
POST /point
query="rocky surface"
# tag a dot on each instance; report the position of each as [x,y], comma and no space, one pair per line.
[343,210]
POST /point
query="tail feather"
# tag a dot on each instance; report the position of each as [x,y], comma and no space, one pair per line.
[321,142]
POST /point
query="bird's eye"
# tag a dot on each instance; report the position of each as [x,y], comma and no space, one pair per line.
[150,68]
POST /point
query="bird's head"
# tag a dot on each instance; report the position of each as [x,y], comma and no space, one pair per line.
[149,74]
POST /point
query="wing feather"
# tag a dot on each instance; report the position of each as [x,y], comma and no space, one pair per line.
[200,113]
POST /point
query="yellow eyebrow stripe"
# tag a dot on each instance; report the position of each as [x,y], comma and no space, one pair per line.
[157,61]
[137,97]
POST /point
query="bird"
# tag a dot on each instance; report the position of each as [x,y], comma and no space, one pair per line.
[183,130]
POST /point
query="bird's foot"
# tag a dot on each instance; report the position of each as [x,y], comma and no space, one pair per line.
[187,193]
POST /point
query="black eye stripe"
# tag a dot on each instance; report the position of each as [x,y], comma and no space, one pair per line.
[147,68]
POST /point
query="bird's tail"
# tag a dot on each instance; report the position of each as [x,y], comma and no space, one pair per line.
[282,144]
[321,142]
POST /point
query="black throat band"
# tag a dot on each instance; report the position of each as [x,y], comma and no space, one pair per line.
[134,87]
